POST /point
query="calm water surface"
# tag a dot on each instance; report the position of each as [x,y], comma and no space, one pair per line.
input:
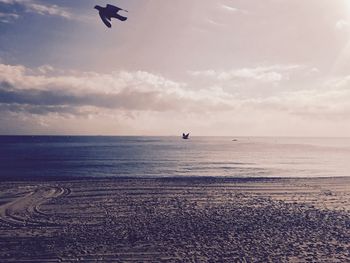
[27,156]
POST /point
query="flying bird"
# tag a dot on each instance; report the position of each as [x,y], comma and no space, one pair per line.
[109,12]
[185,136]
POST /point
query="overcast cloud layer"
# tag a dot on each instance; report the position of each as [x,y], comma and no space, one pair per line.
[278,68]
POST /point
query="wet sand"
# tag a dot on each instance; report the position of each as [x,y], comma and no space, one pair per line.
[175,220]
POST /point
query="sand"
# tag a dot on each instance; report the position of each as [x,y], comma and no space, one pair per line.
[175,220]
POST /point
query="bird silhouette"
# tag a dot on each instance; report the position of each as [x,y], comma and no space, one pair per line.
[109,12]
[185,136]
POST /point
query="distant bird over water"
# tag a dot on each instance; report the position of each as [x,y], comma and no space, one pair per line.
[109,12]
[185,136]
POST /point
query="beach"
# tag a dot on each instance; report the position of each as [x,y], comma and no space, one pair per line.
[175,131]
[175,220]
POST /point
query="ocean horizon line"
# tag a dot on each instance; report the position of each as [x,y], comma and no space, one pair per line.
[197,136]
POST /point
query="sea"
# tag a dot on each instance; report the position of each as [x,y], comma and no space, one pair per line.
[240,157]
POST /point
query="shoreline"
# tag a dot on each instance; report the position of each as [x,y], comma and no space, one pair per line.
[163,178]
[175,219]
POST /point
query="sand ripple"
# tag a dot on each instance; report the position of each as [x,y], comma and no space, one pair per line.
[175,221]
[25,210]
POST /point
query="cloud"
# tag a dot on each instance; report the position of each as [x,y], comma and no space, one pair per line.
[8,17]
[39,8]
[260,74]
[38,109]
[39,91]
[52,10]
[215,23]
[130,100]
[84,91]
[342,24]
[270,74]
[229,8]
[139,99]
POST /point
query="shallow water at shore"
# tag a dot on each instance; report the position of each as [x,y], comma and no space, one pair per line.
[78,156]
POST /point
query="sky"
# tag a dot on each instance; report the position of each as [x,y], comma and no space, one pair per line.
[209,67]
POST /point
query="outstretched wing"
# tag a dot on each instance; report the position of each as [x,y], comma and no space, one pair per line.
[105,21]
[121,18]
[113,8]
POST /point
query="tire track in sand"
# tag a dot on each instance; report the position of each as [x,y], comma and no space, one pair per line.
[25,210]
